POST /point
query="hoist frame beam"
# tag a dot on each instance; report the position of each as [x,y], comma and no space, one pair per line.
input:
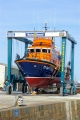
[72,62]
[26,41]
[32,34]
[63,61]
[9,58]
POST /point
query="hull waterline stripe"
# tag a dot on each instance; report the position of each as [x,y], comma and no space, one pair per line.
[41,77]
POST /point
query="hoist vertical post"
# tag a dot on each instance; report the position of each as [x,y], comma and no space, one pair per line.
[9,58]
[63,65]
[26,49]
[72,62]
[63,60]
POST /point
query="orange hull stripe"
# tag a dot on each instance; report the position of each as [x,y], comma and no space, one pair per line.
[35,61]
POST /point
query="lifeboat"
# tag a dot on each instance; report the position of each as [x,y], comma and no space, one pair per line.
[41,67]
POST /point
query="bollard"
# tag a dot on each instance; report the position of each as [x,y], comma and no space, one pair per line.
[18,101]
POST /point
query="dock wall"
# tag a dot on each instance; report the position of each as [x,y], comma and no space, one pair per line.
[68,110]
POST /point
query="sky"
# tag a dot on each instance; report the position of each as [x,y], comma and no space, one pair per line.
[27,14]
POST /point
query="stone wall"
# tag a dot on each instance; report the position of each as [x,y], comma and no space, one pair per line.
[68,110]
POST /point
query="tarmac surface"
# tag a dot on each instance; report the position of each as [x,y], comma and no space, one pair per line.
[7,101]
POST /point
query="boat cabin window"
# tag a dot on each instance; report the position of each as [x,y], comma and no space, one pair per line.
[38,50]
[30,50]
[48,50]
[44,50]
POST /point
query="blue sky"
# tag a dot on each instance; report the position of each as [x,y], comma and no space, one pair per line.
[25,14]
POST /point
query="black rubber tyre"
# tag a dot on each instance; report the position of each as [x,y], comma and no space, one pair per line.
[24,89]
[9,90]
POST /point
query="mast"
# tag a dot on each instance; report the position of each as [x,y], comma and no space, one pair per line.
[45,27]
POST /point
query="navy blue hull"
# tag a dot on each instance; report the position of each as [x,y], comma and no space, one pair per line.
[38,73]
[36,69]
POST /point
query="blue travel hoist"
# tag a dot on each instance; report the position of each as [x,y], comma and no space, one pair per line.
[23,37]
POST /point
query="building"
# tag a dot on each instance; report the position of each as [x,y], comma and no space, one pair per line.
[3,73]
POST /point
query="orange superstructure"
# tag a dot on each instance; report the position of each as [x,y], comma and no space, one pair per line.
[44,49]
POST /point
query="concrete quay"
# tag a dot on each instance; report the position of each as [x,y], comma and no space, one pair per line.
[40,107]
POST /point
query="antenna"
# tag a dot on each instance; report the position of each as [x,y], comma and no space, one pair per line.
[54,20]
[38,23]
[33,20]
[50,22]
[54,23]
